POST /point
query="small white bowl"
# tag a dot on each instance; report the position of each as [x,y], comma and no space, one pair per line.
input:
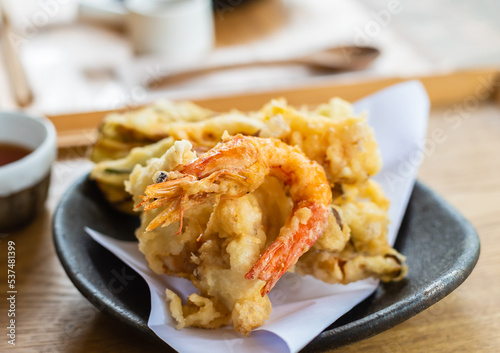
[24,183]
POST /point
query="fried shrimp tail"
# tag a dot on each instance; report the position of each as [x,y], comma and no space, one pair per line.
[293,241]
[237,167]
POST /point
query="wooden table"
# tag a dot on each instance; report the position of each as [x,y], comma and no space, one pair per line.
[52,316]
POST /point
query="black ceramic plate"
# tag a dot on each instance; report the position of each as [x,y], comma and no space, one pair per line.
[440,245]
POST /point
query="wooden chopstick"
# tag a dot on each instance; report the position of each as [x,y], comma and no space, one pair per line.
[17,76]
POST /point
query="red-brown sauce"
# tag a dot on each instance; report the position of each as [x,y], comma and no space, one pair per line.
[10,153]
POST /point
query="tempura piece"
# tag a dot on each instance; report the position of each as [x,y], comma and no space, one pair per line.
[331,135]
[122,131]
[237,167]
[111,175]
[212,253]
[361,212]
[290,192]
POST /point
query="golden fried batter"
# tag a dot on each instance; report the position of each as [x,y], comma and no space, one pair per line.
[331,135]
[222,246]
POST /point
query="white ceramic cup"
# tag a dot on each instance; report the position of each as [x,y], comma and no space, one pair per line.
[24,183]
[174,29]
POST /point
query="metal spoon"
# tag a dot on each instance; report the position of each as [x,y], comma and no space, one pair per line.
[343,58]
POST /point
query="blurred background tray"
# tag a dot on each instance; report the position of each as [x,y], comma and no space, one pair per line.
[472,86]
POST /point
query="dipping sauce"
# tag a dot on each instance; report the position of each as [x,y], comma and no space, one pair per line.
[10,153]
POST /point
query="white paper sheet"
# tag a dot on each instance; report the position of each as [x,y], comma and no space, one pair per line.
[303,306]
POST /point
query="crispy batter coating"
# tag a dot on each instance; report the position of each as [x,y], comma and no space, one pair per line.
[220,241]
[120,132]
[362,214]
[331,135]
[217,246]
[236,167]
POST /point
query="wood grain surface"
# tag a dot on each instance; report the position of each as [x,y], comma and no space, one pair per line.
[444,89]
[464,167]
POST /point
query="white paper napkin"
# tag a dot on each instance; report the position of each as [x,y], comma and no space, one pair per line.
[303,306]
